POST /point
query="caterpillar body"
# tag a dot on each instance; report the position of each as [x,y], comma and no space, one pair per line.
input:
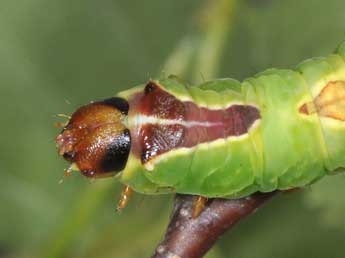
[280,129]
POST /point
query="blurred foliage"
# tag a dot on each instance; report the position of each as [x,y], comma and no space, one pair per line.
[59,54]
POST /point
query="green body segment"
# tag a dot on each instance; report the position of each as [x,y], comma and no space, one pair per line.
[284,149]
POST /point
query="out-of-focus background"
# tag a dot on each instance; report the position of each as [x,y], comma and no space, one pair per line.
[56,55]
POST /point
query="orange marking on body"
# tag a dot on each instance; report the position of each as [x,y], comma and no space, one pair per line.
[329,103]
[199,205]
[126,194]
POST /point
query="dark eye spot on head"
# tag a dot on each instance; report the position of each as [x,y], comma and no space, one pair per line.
[116,155]
[119,103]
[150,87]
[69,156]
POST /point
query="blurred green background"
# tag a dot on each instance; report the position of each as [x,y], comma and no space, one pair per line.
[56,55]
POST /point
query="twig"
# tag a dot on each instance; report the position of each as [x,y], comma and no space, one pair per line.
[192,238]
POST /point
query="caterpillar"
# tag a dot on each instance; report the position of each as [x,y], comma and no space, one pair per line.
[280,129]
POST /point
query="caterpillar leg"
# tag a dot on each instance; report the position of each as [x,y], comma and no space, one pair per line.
[124,198]
[199,205]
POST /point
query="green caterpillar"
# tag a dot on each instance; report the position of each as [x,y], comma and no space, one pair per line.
[280,129]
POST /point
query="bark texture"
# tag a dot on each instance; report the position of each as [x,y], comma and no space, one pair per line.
[186,237]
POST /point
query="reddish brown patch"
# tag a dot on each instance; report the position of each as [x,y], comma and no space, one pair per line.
[304,109]
[156,139]
[329,103]
[160,103]
[216,124]
[95,139]
[188,124]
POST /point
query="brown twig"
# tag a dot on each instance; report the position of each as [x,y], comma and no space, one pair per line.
[192,238]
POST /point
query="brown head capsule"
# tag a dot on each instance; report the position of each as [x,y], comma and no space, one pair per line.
[95,140]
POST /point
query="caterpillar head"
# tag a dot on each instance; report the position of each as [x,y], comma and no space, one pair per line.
[95,139]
